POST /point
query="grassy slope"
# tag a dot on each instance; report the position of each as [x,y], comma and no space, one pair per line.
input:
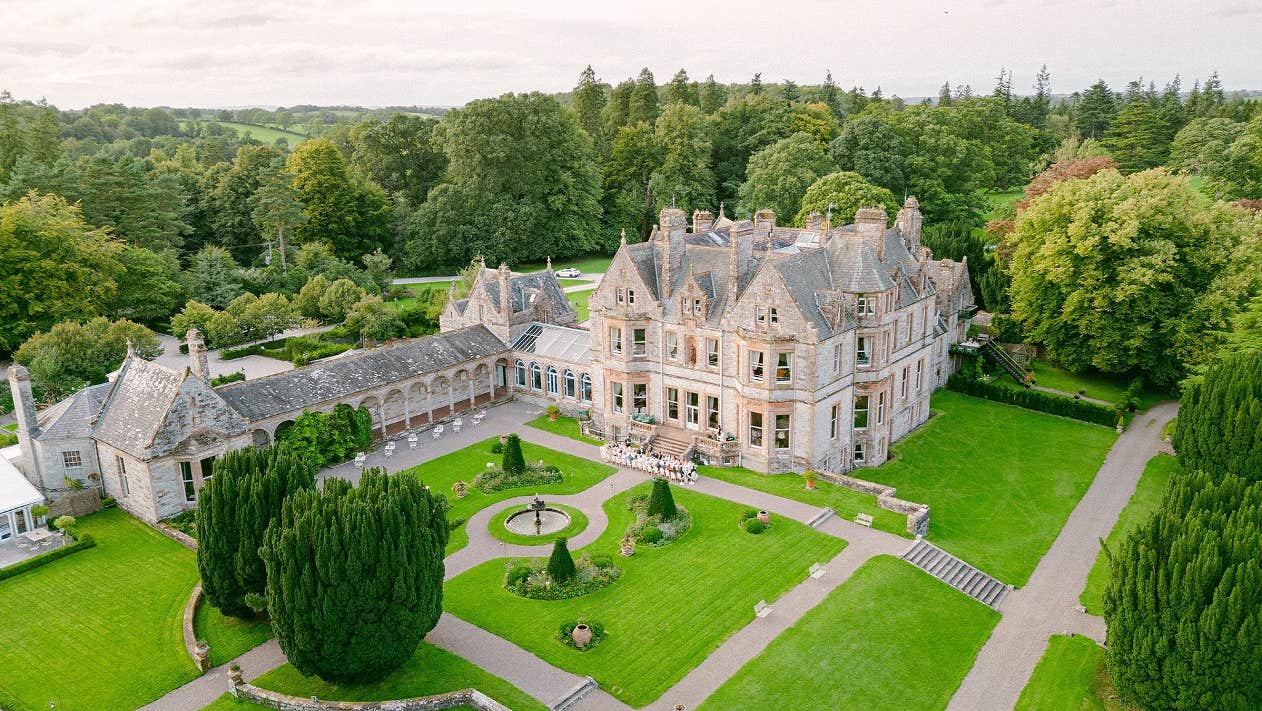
[580,299]
[671,607]
[1144,502]
[466,463]
[228,637]
[564,426]
[1070,676]
[845,502]
[890,637]
[998,201]
[263,133]
[1000,480]
[1097,385]
[66,628]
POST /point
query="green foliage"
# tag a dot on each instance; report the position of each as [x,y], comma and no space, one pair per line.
[1184,605]
[344,210]
[148,288]
[754,526]
[684,178]
[71,356]
[1220,419]
[627,201]
[1137,139]
[1236,171]
[589,106]
[778,176]
[561,563]
[650,535]
[355,575]
[338,299]
[846,192]
[642,102]
[83,542]
[325,438]
[597,630]
[662,502]
[400,154]
[1034,400]
[235,508]
[1096,110]
[513,462]
[958,240]
[211,277]
[372,320]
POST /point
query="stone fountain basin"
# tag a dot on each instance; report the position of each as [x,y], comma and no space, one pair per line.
[523,522]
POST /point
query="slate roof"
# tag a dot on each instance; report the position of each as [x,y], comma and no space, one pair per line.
[72,418]
[296,389]
[523,290]
[137,404]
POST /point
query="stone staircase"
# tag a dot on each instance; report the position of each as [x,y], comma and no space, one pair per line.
[673,441]
[956,573]
[584,687]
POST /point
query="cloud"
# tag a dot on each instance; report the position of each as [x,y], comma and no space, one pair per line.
[1238,10]
[248,19]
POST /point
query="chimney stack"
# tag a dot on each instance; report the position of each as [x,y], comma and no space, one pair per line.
[741,236]
[814,222]
[28,424]
[908,223]
[673,227]
[765,221]
[869,225]
[702,221]
[198,361]
[505,301]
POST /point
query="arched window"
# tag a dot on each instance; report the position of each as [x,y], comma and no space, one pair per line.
[553,385]
[569,383]
[521,373]
[585,388]
[536,377]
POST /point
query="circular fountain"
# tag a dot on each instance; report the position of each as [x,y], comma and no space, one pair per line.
[537,519]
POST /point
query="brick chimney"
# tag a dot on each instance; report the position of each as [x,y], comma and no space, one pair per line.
[702,221]
[505,302]
[672,230]
[198,361]
[765,221]
[869,225]
[741,236]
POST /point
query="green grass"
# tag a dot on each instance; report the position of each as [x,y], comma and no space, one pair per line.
[1096,385]
[12,427]
[430,671]
[578,522]
[671,607]
[999,202]
[263,133]
[1000,481]
[228,702]
[564,426]
[889,637]
[409,302]
[846,502]
[228,637]
[1070,677]
[69,629]
[580,300]
[465,464]
[1145,501]
[566,283]
[594,264]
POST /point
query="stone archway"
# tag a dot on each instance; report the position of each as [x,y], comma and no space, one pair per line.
[373,405]
[440,397]
[418,405]
[280,429]
[483,385]
[394,412]
[260,438]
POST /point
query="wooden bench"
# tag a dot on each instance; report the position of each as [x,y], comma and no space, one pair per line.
[863,520]
[762,609]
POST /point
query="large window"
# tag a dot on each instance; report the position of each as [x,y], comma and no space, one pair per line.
[880,407]
[616,390]
[72,460]
[861,412]
[784,368]
[865,305]
[860,452]
[906,377]
[756,366]
[121,465]
[862,352]
[836,359]
[186,478]
[760,315]
[672,403]
[755,429]
[672,345]
[640,397]
[693,410]
[585,388]
[520,370]
[920,374]
[536,377]
[712,412]
[615,340]
[782,431]
[638,341]
[553,382]
[832,421]
[569,383]
[712,352]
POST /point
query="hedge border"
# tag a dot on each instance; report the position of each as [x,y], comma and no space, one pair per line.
[1035,400]
[85,541]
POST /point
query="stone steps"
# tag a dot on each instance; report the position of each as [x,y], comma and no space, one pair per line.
[956,573]
[584,687]
[672,441]
[819,519]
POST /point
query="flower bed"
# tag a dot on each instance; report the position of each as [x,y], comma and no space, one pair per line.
[530,579]
[652,531]
[566,635]
[497,479]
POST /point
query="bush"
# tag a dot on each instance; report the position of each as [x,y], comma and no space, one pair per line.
[497,448]
[754,526]
[489,482]
[650,535]
[227,378]
[185,522]
[84,541]
[64,522]
[1035,400]
[531,579]
[561,564]
[748,514]
[662,502]
[514,462]
[517,575]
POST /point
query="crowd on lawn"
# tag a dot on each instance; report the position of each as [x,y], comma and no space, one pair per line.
[658,464]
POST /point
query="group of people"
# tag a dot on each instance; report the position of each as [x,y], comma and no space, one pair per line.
[645,459]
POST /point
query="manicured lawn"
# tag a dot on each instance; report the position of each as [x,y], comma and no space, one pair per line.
[229,703]
[567,283]
[1144,502]
[889,637]
[1000,481]
[1070,676]
[594,264]
[578,522]
[580,300]
[12,427]
[997,202]
[100,629]
[465,464]
[846,502]
[564,426]
[671,607]
[417,290]
[228,637]
[1096,385]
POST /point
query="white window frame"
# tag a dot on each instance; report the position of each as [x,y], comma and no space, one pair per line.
[519,372]
[639,397]
[672,404]
[570,384]
[621,295]
[123,484]
[616,399]
[672,345]
[187,481]
[906,378]
[585,388]
[773,315]
[615,340]
[554,383]
[836,358]
[786,430]
[639,341]
[757,366]
[712,352]
[860,453]
[920,375]
[833,418]
[862,403]
[69,457]
[862,351]
[755,430]
[784,367]
[536,377]
[630,297]
[880,408]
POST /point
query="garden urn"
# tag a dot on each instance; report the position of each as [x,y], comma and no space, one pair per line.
[628,547]
[582,636]
[764,518]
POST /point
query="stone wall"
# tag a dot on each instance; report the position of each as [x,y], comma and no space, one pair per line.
[917,514]
[284,702]
[75,503]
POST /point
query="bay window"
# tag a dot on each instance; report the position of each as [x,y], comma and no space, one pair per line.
[755,429]
[782,431]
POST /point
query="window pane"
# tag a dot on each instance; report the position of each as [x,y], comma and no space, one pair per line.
[782,431]
[784,367]
[861,412]
[755,429]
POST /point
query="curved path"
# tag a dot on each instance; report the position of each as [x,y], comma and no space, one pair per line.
[1048,604]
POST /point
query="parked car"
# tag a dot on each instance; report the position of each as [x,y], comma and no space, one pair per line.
[569,273]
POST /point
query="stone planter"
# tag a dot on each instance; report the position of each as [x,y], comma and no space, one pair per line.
[627,547]
[764,518]
[810,485]
[582,636]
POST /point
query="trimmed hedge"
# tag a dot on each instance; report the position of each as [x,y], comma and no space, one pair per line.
[1035,400]
[85,541]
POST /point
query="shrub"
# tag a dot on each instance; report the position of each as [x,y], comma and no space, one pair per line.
[1035,400]
[748,514]
[561,564]
[662,502]
[64,522]
[108,502]
[514,462]
[489,482]
[497,447]
[531,579]
[84,541]
[650,535]
[517,575]
[227,378]
[754,526]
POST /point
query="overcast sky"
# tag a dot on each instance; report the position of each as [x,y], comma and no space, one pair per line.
[263,52]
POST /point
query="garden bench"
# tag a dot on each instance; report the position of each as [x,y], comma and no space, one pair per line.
[412,441]
[389,451]
[863,520]
[817,571]
[762,609]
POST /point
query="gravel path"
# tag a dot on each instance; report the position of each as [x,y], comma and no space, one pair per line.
[1048,604]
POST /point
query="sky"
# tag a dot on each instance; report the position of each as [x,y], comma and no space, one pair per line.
[228,53]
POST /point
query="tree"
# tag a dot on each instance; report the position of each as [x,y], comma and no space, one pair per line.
[380,269]
[843,194]
[1237,171]
[233,208]
[322,438]
[374,320]
[70,356]
[755,84]
[628,196]
[741,128]
[148,290]
[1094,113]
[831,96]
[712,96]
[143,210]
[1127,274]
[338,299]
[211,277]
[1137,138]
[682,91]
[343,209]
[53,267]
[400,154]
[269,315]
[513,462]
[615,114]
[307,302]
[355,575]
[684,178]
[869,146]
[789,91]
[661,501]
[778,176]
[194,315]
[561,563]
[642,104]
[1220,419]
[589,106]
[1201,142]
[1184,601]
[276,206]
[234,510]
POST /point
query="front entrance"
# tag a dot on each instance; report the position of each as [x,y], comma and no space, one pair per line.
[692,412]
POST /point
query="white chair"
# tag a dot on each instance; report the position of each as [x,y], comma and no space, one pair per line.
[389,451]
[412,441]
[455,426]
[438,432]
[360,459]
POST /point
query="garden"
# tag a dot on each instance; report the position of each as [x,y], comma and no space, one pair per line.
[670,606]
[1000,480]
[889,637]
[1071,675]
[563,426]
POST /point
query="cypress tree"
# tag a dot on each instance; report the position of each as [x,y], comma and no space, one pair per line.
[642,103]
[1220,419]
[662,502]
[513,462]
[355,575]
[561,564]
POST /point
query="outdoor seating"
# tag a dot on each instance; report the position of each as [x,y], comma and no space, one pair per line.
[360,459]
[389,450]
[455,426]
[438,432]
[863,519]
[412,441]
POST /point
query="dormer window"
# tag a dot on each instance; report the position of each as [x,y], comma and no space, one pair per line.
[865,305]
[760,315]
[696,308]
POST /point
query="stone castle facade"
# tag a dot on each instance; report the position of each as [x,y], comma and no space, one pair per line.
[747,343]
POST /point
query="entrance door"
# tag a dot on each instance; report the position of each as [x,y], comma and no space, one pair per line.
[20,517]
[693,412]
[6,527]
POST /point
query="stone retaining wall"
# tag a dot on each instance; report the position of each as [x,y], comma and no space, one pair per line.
[200,655]
[917,514]
[285,702]
[75,503]
[178,536]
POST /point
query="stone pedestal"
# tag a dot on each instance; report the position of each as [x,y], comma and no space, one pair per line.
[234,679]
[201,657]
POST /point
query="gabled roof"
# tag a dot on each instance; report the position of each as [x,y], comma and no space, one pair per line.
[137,404]
[523,290]
[311,385]
[72,418]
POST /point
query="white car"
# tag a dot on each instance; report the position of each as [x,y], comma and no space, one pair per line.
[569,273]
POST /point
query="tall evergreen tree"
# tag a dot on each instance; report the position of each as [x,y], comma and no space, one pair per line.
[1137,138]
[619,106]
[355,575]
[642,104]
[513,462]
[232,218]
[713,96]
[682,91]
[831,96]
[1094,113]
[789,91]
[211,277]
[277,208]
[1220,419]
[944,94]
[662,501]
[628,196]
[561,563]
[589,105]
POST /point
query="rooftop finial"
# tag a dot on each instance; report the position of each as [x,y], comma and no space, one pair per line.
[721,209]
[131,348]
[624,237]
[549,262]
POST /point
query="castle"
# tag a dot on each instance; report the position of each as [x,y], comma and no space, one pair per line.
[739,342]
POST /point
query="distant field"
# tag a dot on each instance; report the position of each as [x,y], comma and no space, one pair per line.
[263,133]
[998,202]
